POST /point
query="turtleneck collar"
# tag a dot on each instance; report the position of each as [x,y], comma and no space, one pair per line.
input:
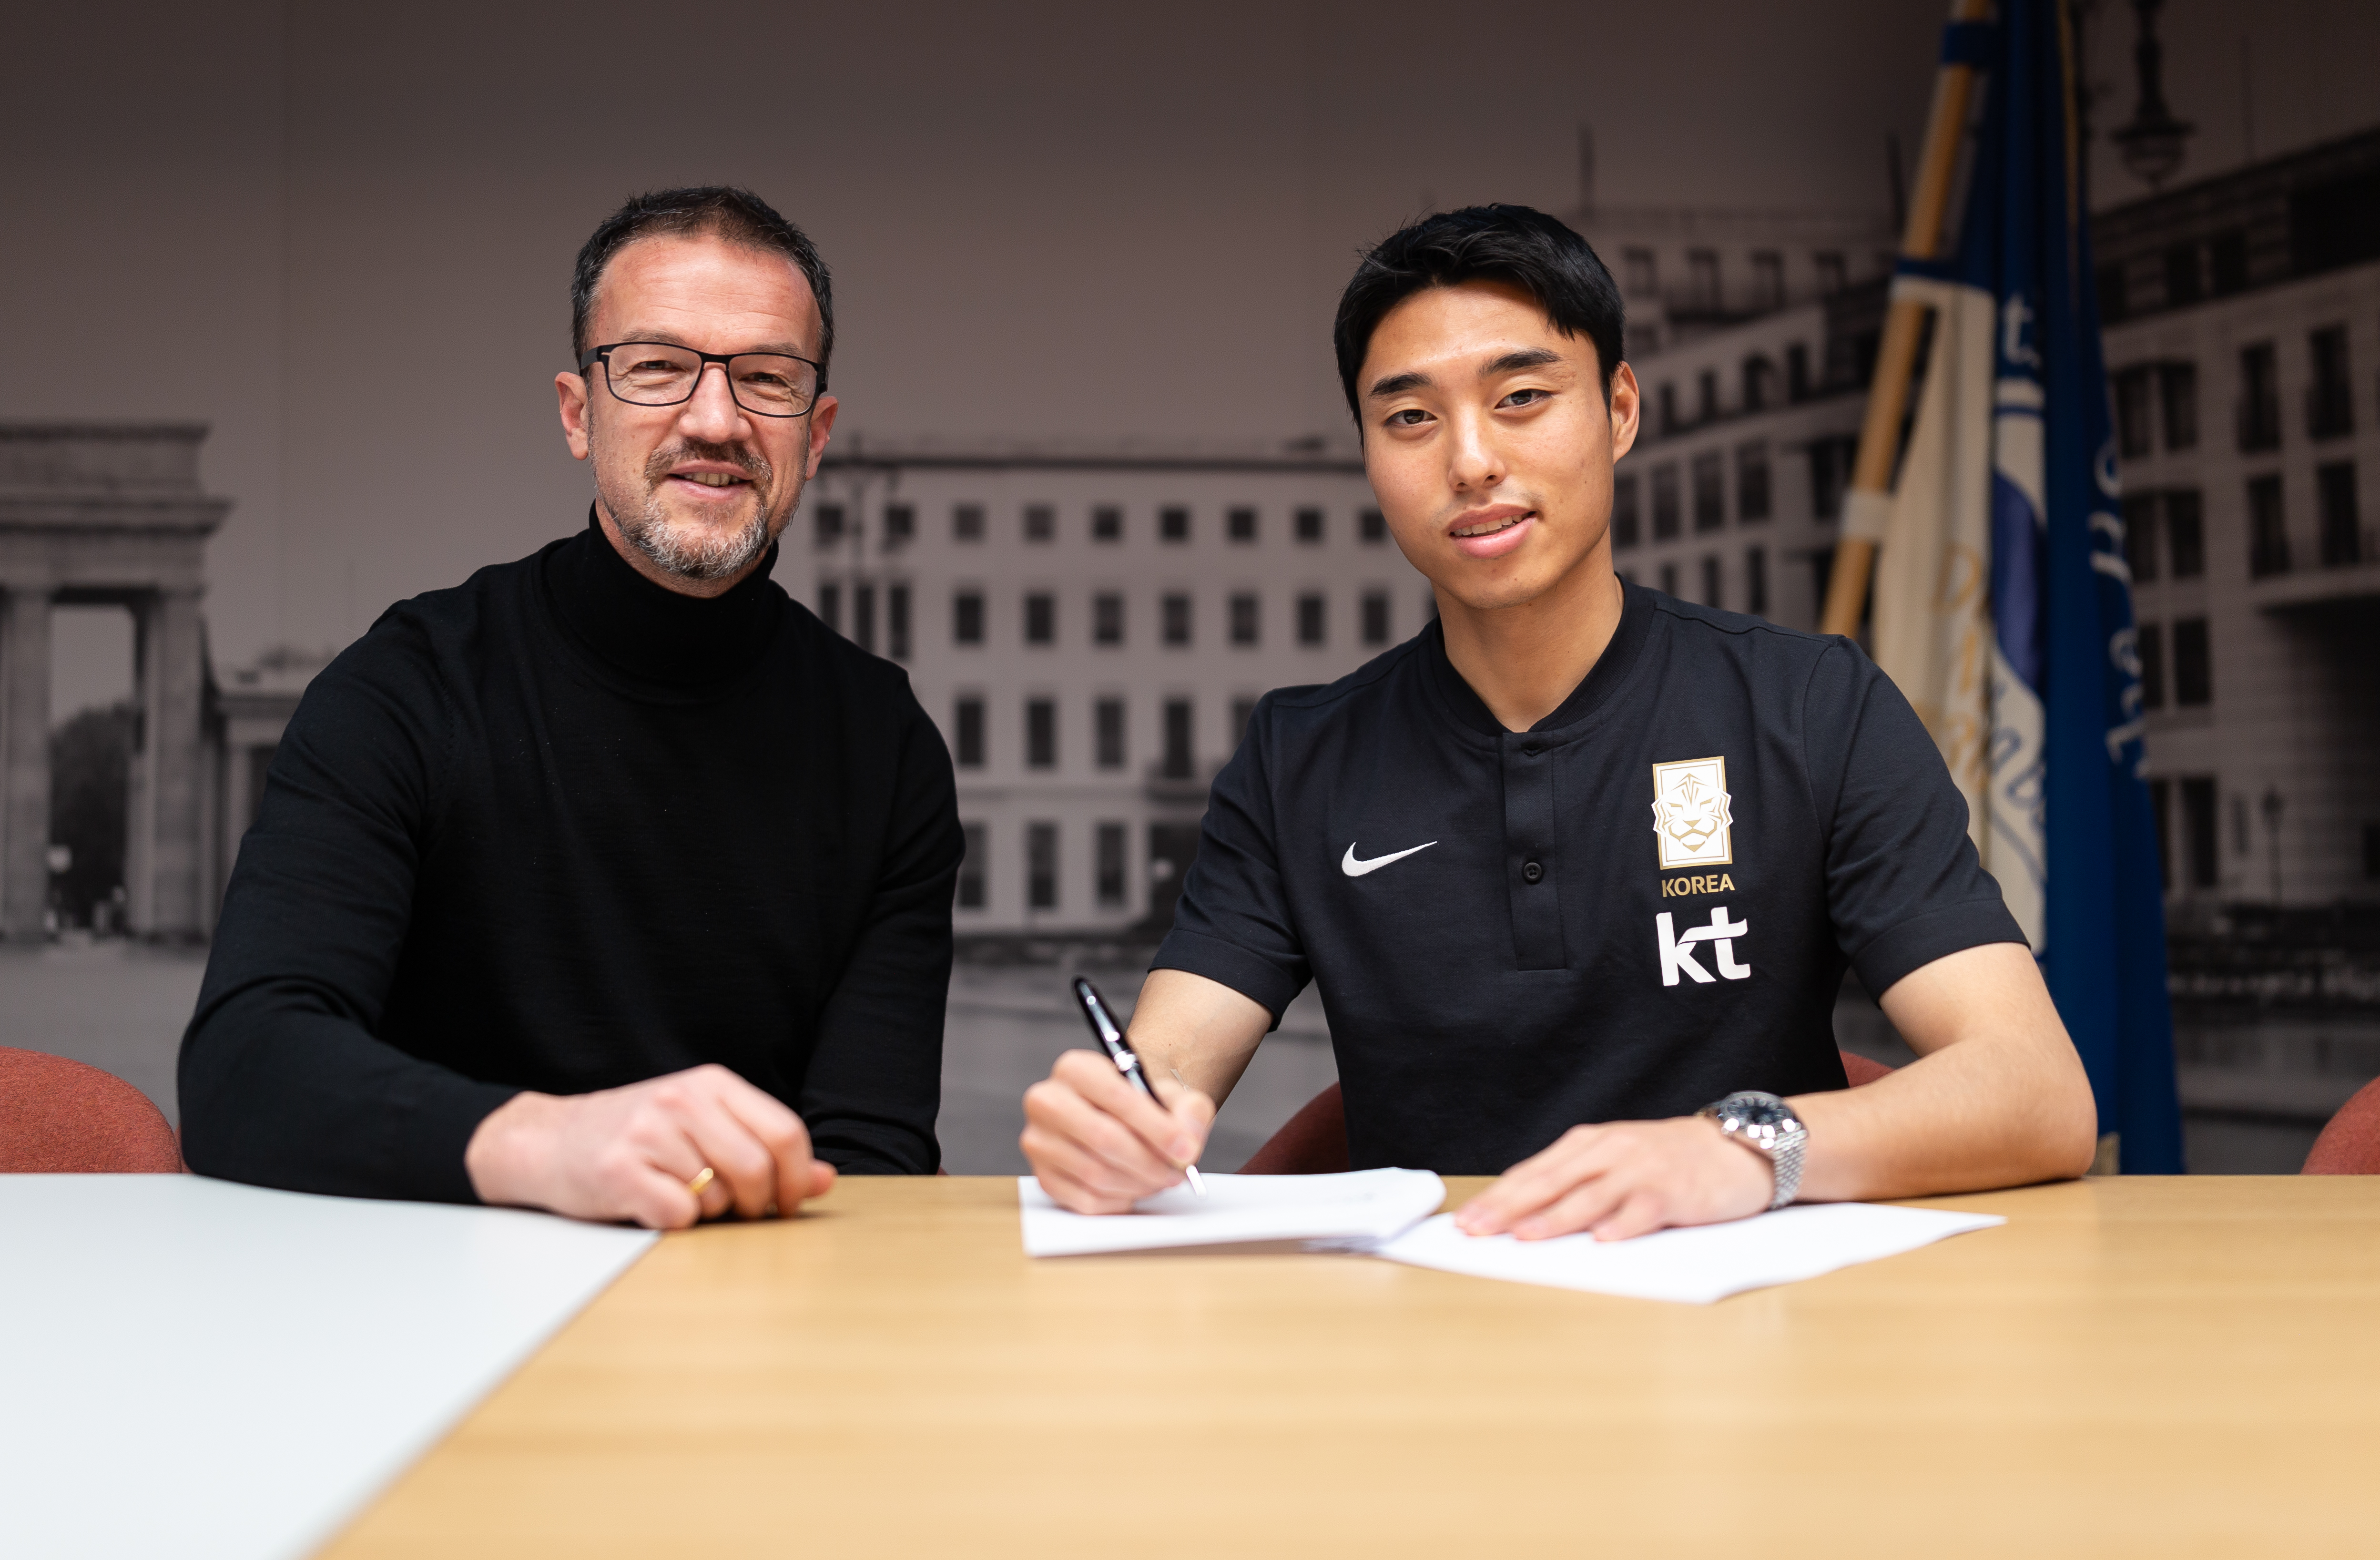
[652,635]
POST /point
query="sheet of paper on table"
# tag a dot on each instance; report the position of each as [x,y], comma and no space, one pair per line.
[1698,1265]
[199,1368]
[1350,1211]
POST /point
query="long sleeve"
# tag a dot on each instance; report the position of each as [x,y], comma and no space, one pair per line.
[283,1081]
[873,1086]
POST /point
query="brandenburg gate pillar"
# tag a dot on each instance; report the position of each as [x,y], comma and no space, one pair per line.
[163,842]
[24,761]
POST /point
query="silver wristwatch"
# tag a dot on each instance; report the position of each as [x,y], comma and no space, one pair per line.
[1767,1123]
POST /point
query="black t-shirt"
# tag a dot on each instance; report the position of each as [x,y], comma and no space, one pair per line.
[561,829]
[1640,904]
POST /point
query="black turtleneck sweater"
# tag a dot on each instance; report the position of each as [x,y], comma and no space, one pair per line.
[562,829]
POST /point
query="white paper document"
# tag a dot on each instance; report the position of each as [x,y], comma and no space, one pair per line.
[1345,1212]
[1705,1263]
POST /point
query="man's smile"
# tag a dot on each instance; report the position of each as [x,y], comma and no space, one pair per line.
[1491,532]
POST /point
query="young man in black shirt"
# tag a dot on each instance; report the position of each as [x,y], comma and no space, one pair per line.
[610,881]
[1579,868]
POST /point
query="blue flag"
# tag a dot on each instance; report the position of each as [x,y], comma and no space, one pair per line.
[2003,600]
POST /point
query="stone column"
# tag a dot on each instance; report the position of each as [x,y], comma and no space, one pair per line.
[168,796]
[24,762]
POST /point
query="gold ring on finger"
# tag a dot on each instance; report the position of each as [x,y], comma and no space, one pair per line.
[702,1182]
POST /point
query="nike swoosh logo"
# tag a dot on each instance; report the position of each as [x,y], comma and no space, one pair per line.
[1355,868]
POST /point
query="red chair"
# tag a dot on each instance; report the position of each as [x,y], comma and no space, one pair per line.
[2350,1144]
[58,1116]
[1314,1142]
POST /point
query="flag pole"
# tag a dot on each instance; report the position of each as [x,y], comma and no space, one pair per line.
[1896,358]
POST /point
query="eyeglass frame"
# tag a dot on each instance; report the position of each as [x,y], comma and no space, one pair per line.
[603,354]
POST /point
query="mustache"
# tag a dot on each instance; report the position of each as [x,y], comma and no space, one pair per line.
[659,465]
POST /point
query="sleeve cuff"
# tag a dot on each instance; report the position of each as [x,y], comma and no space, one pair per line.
[1254,978]
[1935,935]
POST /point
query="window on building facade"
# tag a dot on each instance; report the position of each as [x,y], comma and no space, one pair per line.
[1712,593]
[2133,411]
[1040,617]
[830,605]
[2268,530]
[2193,664]
[1372,527]
[970,732]
[1797,371]
[1702,281]
[1706,395]
[1753,502]
[2161,817]
[1240,524]
[2330,399]
[1244,710]
[1376,617]
[1107,733]
[2115,299]
[1176,611]
[1829,264]
[1180,762]
[1767,280]
[862,617]
[2227,261]
[900,526]
[971,865]
[2152,650]
[1710,491]
[2140,535]
[826,524]
[2182,277]
[1668,579]
[2185,534]
[1759,382]
[1107,853]
[1666,506]
[1107,617]
[1107,523]
[1309,526]
[1625,521]
[1668,402]
[1756,581]
[2201,835]
[2239,824]
[896,622]
[2259,398]
[1644,273]
[2177,398]
[1173,524]
[2342,536]
[1040,522]
[1245,611]
[1831,457]
[1041,734]
[967,522]
[1310,623]
[967,617]
[1041,866]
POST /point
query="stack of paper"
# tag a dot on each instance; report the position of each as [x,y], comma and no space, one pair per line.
[1352,1211]
[1701,1264]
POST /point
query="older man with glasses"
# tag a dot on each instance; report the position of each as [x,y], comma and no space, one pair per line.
[610,881]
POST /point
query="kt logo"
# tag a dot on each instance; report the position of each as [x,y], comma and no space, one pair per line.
[1678,952]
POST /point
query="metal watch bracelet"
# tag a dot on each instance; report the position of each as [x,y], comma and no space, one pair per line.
[1767,1124]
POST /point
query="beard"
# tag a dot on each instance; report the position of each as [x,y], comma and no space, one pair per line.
[686,548]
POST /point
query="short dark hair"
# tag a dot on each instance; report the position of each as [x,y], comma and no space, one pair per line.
[721,211]
[1512,244]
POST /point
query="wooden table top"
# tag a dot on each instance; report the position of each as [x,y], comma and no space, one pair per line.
[2136,1366]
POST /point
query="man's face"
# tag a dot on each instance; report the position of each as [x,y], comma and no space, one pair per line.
[697,490]
[1489,444]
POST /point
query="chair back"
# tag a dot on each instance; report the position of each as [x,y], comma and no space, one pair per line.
[62,1118]
[1314,1142]
[2350,1144]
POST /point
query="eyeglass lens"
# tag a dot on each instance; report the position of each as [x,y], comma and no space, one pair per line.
[657,374]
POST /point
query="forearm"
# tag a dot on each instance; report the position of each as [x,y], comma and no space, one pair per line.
[1190,1030]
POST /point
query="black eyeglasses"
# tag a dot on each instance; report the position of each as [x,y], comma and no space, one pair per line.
[659,374]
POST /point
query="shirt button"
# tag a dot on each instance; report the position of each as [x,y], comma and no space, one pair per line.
[1532,750]
[1531,871]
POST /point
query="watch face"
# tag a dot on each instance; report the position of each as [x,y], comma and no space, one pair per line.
[1756,1110]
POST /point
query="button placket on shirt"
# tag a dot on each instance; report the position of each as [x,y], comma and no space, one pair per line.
[1529,769]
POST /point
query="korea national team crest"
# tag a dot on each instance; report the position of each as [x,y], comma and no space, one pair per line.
[1690,813]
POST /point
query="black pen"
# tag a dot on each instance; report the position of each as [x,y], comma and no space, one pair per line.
[1121,1053]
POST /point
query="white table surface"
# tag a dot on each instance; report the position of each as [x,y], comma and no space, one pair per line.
[196,1369]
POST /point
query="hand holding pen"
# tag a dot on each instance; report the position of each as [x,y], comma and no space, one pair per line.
[1099,1136]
